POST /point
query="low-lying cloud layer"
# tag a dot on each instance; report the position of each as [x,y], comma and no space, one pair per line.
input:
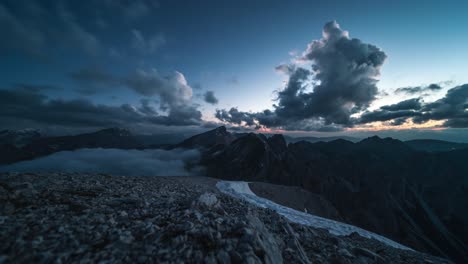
[115,161]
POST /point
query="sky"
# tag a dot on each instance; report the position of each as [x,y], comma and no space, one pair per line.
[320,68]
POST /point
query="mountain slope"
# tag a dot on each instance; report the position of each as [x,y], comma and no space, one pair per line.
[382,185]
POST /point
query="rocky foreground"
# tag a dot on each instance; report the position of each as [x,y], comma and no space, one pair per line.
[65,218]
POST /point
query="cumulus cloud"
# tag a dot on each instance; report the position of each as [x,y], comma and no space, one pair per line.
[235,116]
[337,90]
[210,98]
[172,88]
[341,82]
[419,89]
[115,161]
[175,95]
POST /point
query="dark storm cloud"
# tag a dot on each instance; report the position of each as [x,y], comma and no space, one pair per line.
[453,108]
[385,115]
[36,87]
[210,98]
[410,104]
[398,112]
[419,89]
[343,80]
[235,116]
[23,106]
[398,121]
[175,95]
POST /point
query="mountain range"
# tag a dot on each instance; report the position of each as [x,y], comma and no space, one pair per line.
[413,192]
[387,186]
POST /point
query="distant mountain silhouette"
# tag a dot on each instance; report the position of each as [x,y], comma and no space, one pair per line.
[432,145]
[18,138]
[106,138]
[290,139]
[208,139]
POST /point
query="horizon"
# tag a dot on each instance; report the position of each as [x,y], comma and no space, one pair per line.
[177,138]
[317,69]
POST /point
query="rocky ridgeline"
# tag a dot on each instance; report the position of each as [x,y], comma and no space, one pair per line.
[89,218]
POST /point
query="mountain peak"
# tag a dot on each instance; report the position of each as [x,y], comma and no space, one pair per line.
[221,129]
[219,135]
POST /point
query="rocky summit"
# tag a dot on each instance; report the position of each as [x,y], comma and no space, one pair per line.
[63,218]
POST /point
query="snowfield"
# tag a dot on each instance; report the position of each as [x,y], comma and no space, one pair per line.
[241,190]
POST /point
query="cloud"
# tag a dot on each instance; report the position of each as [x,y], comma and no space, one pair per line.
[92,75]
[90,79]
[210,98]
[174,93]
[31,107]
[172,89]
[419,89]
[385,115]
[36,87]
[342,79]
[453,108]
[235,116]
[19,36]
[147,45]
[398,112]
[115,161]
[133,10]
[33,28]
[234,80]
[77,34]
[410,104]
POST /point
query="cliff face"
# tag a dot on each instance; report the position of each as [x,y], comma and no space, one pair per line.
[92,218]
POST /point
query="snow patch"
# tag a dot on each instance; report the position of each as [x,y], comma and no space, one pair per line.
[241,190]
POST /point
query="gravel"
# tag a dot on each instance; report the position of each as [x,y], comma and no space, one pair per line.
[62,218]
